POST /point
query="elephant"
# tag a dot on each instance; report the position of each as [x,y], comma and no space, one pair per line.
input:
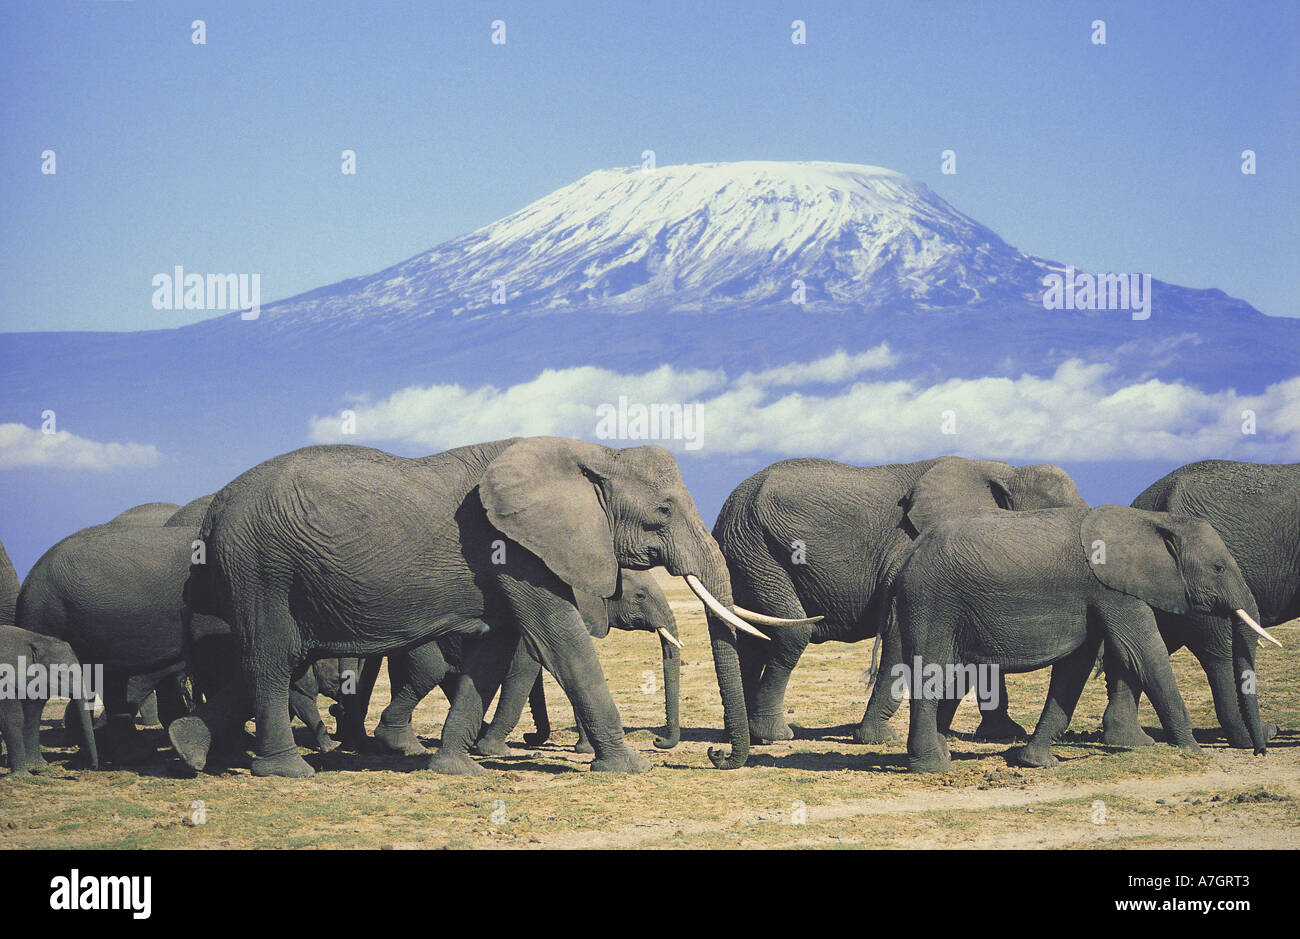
[20,719]
[8,588]
[1255,508]
[115,593]
[639,604]
[327,677]
[817,538]
[1020,591]
[342,550]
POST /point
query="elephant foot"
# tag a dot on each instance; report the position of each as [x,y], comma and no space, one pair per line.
[667,743]
[286,763]
[38,764]
[1030,755]
[451,763]
[1240,740]
[400,739]
[491,746]
[583,746]
[324,742]
[1129,736]
[622,761]
[763,731]
[937,762]
[191,740]
[875,732]
[17,776]
[997,727]
[538,737]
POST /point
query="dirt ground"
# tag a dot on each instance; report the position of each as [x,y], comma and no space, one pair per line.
[819,790]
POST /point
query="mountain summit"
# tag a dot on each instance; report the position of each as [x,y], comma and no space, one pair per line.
[691,237]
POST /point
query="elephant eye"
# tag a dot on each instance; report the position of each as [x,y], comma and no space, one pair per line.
[1219,568]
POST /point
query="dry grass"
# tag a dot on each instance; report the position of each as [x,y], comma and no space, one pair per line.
[844,794]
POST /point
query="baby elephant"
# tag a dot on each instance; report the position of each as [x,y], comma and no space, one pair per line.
[20,716]
[1019,591]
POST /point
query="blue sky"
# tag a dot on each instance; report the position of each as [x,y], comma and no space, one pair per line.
[225,157]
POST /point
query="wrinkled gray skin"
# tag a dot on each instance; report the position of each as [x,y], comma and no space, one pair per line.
[1255,508]
[855,524]
[115,594]
[113,591]
[1026,590]
[8,588]
[326,677]
[638,605]
[20,721]
[350,551]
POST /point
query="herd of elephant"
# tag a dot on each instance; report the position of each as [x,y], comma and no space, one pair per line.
[473,569]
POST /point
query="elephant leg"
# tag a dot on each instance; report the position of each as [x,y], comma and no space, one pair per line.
[541,717]
[412,674]
[353,706]
[1069,675]
[173,700]
[584,744]
[954,693]
[11,729]
[522,675]
[1157,678]
[276,753]
[149,709]
[883,703]
[767,721]
[486,662]
[122,742]
[1119,723]
[995,723]
[32,736]
[303,706]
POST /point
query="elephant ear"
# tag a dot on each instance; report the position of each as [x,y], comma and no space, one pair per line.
[955,487]
[595,613]
[1136,553]
[543,493]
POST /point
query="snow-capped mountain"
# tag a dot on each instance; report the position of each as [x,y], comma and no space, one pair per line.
[690,237]
[618,274]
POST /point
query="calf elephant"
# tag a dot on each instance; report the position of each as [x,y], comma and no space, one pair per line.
[344,550]
[115,593]
[817,538]
[20,717]
[1022,591]
[639,604]
[1255,508]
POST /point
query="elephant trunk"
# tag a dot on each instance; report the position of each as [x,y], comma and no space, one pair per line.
[711,569]
[1243,666]
[672,691]
[85,721]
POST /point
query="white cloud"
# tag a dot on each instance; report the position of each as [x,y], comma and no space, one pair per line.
[837,367]
[1079,412]
[22,446]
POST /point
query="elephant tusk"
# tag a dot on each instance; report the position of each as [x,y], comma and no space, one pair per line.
[1245,618]
[718,610]
[762,619]
[668,637]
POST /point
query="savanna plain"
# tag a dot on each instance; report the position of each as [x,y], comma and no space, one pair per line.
[820,790]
